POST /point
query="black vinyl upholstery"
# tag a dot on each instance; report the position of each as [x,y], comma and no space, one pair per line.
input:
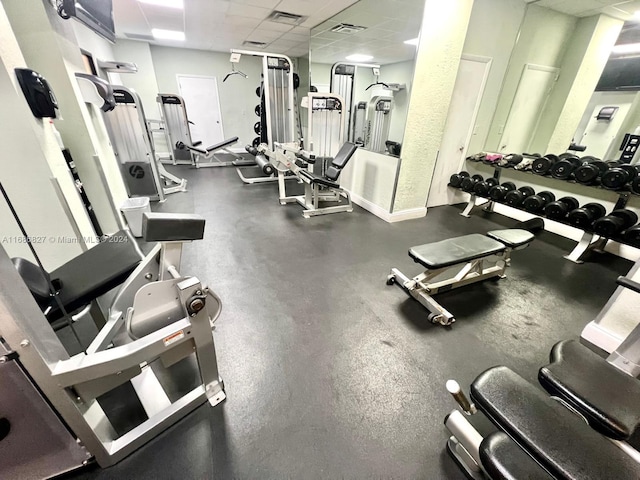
[561,442]
[333,171]
[455,250]
[313,178]
[90,275]
[205,151]
[344,155]
[503,459]
[607,397]
[512,237]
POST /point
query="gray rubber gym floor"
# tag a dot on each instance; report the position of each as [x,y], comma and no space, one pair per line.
[329,372]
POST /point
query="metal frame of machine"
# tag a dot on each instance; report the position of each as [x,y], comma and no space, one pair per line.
[124,350]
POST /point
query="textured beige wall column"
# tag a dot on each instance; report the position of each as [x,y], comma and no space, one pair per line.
[444,29]
[50,47]
[600,35]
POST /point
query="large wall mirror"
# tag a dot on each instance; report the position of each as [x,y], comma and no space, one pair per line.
[366,55]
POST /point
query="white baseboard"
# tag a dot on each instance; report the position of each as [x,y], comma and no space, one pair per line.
[382,213]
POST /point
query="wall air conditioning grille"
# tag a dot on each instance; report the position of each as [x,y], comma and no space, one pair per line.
[138,36]
[251,43]
[347,29]
[286,18]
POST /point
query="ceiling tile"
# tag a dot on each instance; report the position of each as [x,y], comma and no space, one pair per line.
[248,11]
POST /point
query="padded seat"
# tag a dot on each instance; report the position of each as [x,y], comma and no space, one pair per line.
[455,250]
[319,179]
[503,459]
[556,438]
[512,237]
[87,276]
[205,151]
[607,397]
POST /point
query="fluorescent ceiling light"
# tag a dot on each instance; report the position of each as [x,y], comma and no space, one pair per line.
[626,48]
[165,3]
[358,57]
[160,34]
[413,41]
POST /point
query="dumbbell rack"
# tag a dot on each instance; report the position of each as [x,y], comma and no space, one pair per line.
[590,242]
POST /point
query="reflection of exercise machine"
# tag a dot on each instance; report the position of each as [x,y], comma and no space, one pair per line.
[468,256]
[130,138]
[581,429]
[277,106]
[290,159]
[178,136]
[155,354]
[378,123]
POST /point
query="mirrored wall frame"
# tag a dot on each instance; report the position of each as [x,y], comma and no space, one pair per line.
[376,89]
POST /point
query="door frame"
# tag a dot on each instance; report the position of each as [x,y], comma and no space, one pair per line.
[215,81]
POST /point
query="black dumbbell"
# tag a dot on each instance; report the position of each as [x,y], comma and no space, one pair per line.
[566,155]
[584,216]
[514,198]
[632,236]
[257,110]
[564,167]
[617,177]
[615,223]
[469,183]
[256,142]
[635,185]
[559,209]
[498,192]
[482,188]
[512,160]
[257,127]
[542,165]
[590,170]
[456,179]
[536,203]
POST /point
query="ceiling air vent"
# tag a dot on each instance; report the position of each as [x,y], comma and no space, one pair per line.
[138,36]
[347,29]
[287,18]
[251,43]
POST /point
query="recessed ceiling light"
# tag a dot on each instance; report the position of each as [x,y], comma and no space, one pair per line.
[165,3]
[160,34]
[413,41]
[626,48]
[358,57]
[636,14]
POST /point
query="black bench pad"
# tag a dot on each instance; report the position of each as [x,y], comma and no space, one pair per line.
[94,273]
[607,397]
[212,148]
[455,250]
[557,439]
[512,237]
[503,459]
[313,178]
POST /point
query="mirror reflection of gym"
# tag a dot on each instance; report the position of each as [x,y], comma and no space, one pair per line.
[366,55]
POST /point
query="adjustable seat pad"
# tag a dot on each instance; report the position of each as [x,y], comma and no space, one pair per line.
[455,250]
[560,441]
[606,396]
[512,237]
[503,459]
[212,148]
[94,272]
[313,178]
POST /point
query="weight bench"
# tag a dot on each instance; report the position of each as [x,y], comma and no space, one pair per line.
[80,281]
[467,255]
[211,152]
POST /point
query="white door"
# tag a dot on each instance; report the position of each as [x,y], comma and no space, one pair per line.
[463,110]
[203,108]
[528,104]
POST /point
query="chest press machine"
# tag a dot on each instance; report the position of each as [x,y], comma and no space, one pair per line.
[580,431]
[158,319]
[469,256]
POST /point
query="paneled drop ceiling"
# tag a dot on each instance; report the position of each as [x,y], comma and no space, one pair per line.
[220,25]
[623,10]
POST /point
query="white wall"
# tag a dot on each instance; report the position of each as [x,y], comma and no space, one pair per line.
[497,43]
[542,40]
[237,95]
[401,72]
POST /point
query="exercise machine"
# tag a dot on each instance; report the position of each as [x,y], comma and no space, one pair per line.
[290,159]
[156,351]
[184,150]
[473,258]
[378,122]
[130,138]
[277,107]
